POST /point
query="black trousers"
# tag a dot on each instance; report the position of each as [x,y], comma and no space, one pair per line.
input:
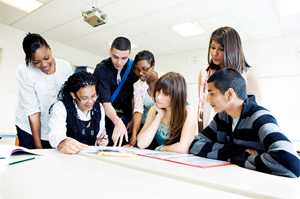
[26,140]
[109,125]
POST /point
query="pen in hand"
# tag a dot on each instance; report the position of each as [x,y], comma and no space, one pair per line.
[102,140]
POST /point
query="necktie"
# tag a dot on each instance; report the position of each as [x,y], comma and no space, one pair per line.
[119,76]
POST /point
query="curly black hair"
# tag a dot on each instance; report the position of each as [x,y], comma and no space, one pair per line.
[73,84]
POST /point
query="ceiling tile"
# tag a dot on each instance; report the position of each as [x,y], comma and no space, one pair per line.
[291,24]
[181,1]
[34,23]
[11,13]
[27,28]
[51,14]
[178,44]
[186,49]
[200,9]
[200,41]
[98,3]
[44,1]
[150,6]
[145,24]
[157,48]
[71,7]
[123,30]
[264,28]
[5,20]
[61,34]
[256,14]
[212,23]
[171,16]
[122,11]
[83,42]
[163,35]
[232,5]
[102,36]
[243,35]
[266,36]
[99,50]
[142,40]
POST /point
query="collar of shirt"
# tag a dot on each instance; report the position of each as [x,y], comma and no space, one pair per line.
[82,116]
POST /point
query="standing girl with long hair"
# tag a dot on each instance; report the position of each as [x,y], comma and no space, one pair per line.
[225,50]
[171,122]
[77,120]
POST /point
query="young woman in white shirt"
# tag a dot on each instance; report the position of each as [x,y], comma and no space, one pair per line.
[39,79]
[77,120]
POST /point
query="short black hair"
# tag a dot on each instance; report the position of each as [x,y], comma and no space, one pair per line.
[121,43]
[229,78]
[31,43]
[144,55]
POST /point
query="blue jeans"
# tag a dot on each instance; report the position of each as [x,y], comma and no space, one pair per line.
[26,140]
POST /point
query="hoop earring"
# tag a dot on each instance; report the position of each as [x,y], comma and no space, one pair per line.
[74,101]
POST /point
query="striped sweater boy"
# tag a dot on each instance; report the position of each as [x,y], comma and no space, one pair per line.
[256,129]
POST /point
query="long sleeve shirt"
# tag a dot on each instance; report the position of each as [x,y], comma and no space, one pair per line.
[256,129]
[58,123]
[37,92]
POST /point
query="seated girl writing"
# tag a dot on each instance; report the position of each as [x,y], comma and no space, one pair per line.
[77,120]
[171,122]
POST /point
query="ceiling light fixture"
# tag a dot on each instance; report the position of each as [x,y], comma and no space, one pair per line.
[132,45]
[287,7]
[188,29]
[24,5]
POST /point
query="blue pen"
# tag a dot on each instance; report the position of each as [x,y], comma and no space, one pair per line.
[104,138]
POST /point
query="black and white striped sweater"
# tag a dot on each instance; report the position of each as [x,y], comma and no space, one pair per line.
[256,129]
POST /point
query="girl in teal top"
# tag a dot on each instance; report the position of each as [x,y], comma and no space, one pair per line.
[171,122]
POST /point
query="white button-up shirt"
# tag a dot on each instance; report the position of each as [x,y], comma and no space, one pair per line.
[37,92]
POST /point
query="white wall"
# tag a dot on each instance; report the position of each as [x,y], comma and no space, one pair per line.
[277,65]
[12,55]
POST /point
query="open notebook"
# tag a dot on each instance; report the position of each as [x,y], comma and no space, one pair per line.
[7,150]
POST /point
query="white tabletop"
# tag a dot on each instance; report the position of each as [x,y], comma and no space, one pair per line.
[58,175]
[232,178]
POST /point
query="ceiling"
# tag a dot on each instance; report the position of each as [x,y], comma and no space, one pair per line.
[147,22]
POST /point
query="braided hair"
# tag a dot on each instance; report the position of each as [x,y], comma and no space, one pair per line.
[73,84]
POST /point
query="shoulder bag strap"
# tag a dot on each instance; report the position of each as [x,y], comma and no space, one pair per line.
[113,97]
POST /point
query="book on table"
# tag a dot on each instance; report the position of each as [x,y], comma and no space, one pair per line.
[109,151]
[186,159]
[7,150]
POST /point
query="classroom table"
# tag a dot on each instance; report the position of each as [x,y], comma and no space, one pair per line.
[231,179]
[58,175]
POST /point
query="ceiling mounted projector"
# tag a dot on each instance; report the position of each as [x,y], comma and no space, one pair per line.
[94,17]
